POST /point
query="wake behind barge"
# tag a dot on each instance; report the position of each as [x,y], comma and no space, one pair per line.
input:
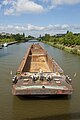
[39,74]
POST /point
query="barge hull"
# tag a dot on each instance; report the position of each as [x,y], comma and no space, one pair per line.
[39,74]
[42,92]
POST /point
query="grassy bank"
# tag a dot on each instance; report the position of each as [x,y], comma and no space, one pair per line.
[73,50]
[6,40]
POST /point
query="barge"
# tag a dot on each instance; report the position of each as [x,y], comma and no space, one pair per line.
[39,74]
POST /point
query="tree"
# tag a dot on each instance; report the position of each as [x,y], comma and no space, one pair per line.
[47,37]
[69,38]
[24,35]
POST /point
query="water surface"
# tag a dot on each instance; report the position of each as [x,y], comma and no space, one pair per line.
[23,108]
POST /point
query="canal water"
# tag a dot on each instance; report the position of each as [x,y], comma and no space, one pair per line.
[23,108]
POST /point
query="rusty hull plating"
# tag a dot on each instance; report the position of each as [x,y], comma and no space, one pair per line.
[39,74]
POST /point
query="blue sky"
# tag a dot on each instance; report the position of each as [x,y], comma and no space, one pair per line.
[37,17]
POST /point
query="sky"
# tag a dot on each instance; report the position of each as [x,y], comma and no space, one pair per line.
[35,17]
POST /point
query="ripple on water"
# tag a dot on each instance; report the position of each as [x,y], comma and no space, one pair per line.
[15,108]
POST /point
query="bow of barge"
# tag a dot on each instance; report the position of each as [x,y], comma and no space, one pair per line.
[39,74]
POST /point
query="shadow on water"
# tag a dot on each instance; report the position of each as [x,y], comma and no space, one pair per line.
[55,97]
[42,108]
[66,116]
[5,54]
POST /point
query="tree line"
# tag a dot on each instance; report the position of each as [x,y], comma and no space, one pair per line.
[68,39]
[14,37]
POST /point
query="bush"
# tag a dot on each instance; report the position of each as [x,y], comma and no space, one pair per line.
[79,47]
[74,51]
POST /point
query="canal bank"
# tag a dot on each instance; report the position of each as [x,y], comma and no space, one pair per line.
[73,49]
[6,44]
[0,46]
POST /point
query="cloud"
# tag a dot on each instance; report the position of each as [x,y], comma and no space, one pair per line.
[5,2]
[17,7]
[21,6]
[27,5]
[33,27]
[54,3]
[9,11]
[37,30]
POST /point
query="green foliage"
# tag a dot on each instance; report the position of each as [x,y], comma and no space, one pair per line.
[3,40]
[39,39]
[46,37]
[30,37]
[19,37]
[79,47]
[74,50]
[12,37]
[68,39]
[69,42]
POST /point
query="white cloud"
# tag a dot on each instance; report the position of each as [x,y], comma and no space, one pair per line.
[32,6]
[9,11]
[22,6]
[27,5]
[33,27]
[55,3]
[5,2]
[37,30]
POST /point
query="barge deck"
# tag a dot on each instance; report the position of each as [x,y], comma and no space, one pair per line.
[39,74]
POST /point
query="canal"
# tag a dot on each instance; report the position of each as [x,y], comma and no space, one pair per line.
[23,108]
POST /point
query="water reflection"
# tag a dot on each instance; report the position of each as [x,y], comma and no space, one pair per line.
[36,107]
[4,52]
[66,116]
[23,108]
